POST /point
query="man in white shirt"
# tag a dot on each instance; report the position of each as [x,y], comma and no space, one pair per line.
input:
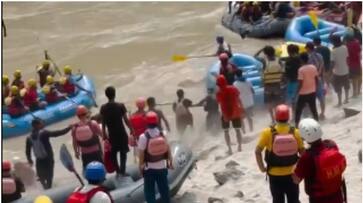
[246,97]
[340,69]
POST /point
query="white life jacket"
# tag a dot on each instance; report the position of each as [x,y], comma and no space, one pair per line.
[9,186]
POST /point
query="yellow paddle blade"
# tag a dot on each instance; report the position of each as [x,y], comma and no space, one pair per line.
[178,58]
[313,18]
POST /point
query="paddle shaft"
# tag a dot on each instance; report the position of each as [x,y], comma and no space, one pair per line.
[202,56]
[78,177]
[47,57]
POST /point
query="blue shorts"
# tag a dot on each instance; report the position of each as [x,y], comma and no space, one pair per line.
[320,94]
[291,92]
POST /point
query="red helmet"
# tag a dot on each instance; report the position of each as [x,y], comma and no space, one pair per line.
[221,81]
[6,165]
[223,57]
[81,110]
[152,118]
[282,113]
[140,102]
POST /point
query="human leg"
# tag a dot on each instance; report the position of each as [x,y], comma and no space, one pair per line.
[149,186]
[113,155]
[163,185]
[276,190]
[225,126]
[123,160]
[40,169]
[236,123]
[298,110]
[291,190]
[311,100]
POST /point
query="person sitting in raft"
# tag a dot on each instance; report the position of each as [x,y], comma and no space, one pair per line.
[283,10]
[44,71]
[251,12]
[223,47]
[5,88]
[17,80]
[12,186]
[14,103]
[67,85]
[52,95]
[30,96]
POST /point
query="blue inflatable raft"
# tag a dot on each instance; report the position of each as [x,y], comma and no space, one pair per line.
[251,68]
[52,113]
[302,30]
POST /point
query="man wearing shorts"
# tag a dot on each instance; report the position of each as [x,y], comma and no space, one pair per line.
[231,107]
[340,69]
[354,63]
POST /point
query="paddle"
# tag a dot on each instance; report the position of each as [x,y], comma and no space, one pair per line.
[180,58]
[47,57]
[67,162]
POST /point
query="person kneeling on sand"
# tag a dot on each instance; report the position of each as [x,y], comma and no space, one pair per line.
[283,144]
[322,166]
[232,110]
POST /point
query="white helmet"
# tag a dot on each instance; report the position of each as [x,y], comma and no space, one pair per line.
[310,130]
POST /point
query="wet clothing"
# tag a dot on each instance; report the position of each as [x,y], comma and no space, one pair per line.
[31,98]
[19,83]
[230,105]
[183,116]
[229,72]
[16,107]
[43,75]
[68,87]
[281,186]
[7,198]
[44,166]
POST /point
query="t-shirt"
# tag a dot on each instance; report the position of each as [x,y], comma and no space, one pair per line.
[354,55]
[307,74]
[317,60]
[325,53]
[339,57]
[142,147]
[265,142]
[245,93]
[112,114]
[292,66]
[228,99]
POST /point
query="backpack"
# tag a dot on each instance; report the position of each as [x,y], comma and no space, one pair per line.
[38,146]
[9,186]
[156,148]
[86,138]
[78,197]
[329,167]
[284,149]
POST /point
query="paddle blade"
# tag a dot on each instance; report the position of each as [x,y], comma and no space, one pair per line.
[66,158]
[313,18]
[178,58]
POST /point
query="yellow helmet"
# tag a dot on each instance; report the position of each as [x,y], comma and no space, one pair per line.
[46,89]
[14,90]
[32,83]
[63,80]
[67,70]
[50,79]
[46,63]
[5,80]
[17,74]
[43,199]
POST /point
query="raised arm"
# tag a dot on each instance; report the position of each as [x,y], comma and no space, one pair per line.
[58,133]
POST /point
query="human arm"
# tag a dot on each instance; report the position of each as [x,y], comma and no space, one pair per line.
[174,107]
[258,53]
[261,145]
[57,133]
[258,155]
[28,148]
[201,102]
[75,145]
[126,119]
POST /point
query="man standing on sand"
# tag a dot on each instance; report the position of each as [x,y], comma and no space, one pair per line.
[113,113]
[231,107]
[183,116]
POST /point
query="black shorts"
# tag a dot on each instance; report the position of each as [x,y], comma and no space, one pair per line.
[340,81]
[236,123]
[273,94]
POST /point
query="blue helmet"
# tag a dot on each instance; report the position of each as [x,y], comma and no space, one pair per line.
[220,39]
[95,171]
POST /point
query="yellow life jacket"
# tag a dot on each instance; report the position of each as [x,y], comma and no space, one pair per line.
[273,72]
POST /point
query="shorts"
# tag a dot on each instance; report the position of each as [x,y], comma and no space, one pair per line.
[340,81]
[249,112]
[236,123]
[355,73]
[320,94]
[291,92]
[272,94]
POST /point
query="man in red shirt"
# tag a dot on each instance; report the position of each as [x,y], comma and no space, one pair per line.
[354,63]
[231,107]
[322,166]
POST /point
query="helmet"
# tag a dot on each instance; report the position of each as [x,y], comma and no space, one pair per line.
[310,130]
[6,165]
[221,81]
[32,83]
[152,118]
[46,63]
[95,171]
[223,57]
[220,39]
[50,79]
[43,199]
[282,113]
[67,70]
[17,74]
[14,90]
[46,89]
[81,111]
[63,80]
[349,34]
[140,102]
[5,80]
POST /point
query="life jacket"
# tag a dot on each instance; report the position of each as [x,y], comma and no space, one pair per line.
[138,123]
[228,72]
[69,87]
[180,109]
[86,138]
[79,197]
[229,102]
[38,146]
[273,72]
[52,96]
[16,107]
[156,148]
[329,167]
[30,97]
[284,149]
[8,185]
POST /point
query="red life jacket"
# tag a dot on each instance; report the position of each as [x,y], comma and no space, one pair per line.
[78,197]
[156,148]
[52,96]
[16,107]
[19,83]
[9,186]
[30,97]
[69,88]
[138,123]
[329,167]
[86,138]
[228,99]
